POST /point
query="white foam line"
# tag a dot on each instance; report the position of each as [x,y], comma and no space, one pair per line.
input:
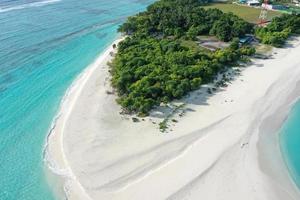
[64,111]
[29,5]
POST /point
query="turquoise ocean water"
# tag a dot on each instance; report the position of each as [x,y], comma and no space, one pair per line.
[290,142]
[44,45]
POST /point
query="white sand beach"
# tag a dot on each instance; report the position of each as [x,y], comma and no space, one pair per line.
[225,147]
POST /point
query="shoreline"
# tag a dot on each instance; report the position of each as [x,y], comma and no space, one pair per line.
[57,164]
[130,160]
[283,147]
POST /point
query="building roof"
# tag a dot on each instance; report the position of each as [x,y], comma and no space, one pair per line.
[253,1]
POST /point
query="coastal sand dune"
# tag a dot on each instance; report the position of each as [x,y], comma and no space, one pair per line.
[224,147]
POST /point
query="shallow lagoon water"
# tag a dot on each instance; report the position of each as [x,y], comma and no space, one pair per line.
[44,45]
[290,142]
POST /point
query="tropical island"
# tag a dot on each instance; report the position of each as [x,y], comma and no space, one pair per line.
[224,146]
[161,60]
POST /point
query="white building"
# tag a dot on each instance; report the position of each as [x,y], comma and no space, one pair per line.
[253,3]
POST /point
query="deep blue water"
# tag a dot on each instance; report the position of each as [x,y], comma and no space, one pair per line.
[290,142]
[44,45]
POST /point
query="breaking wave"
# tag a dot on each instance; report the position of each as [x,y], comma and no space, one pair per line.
[28,5]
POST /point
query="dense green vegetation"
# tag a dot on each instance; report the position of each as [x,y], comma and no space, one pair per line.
[148,71]
[186,18]
[160,61]
[277,32]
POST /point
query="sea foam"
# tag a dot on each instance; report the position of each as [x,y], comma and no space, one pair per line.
[28,5]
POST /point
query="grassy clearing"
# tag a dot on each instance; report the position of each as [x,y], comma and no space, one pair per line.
[263,49]
[247,13]
[190,44]
[193,46]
